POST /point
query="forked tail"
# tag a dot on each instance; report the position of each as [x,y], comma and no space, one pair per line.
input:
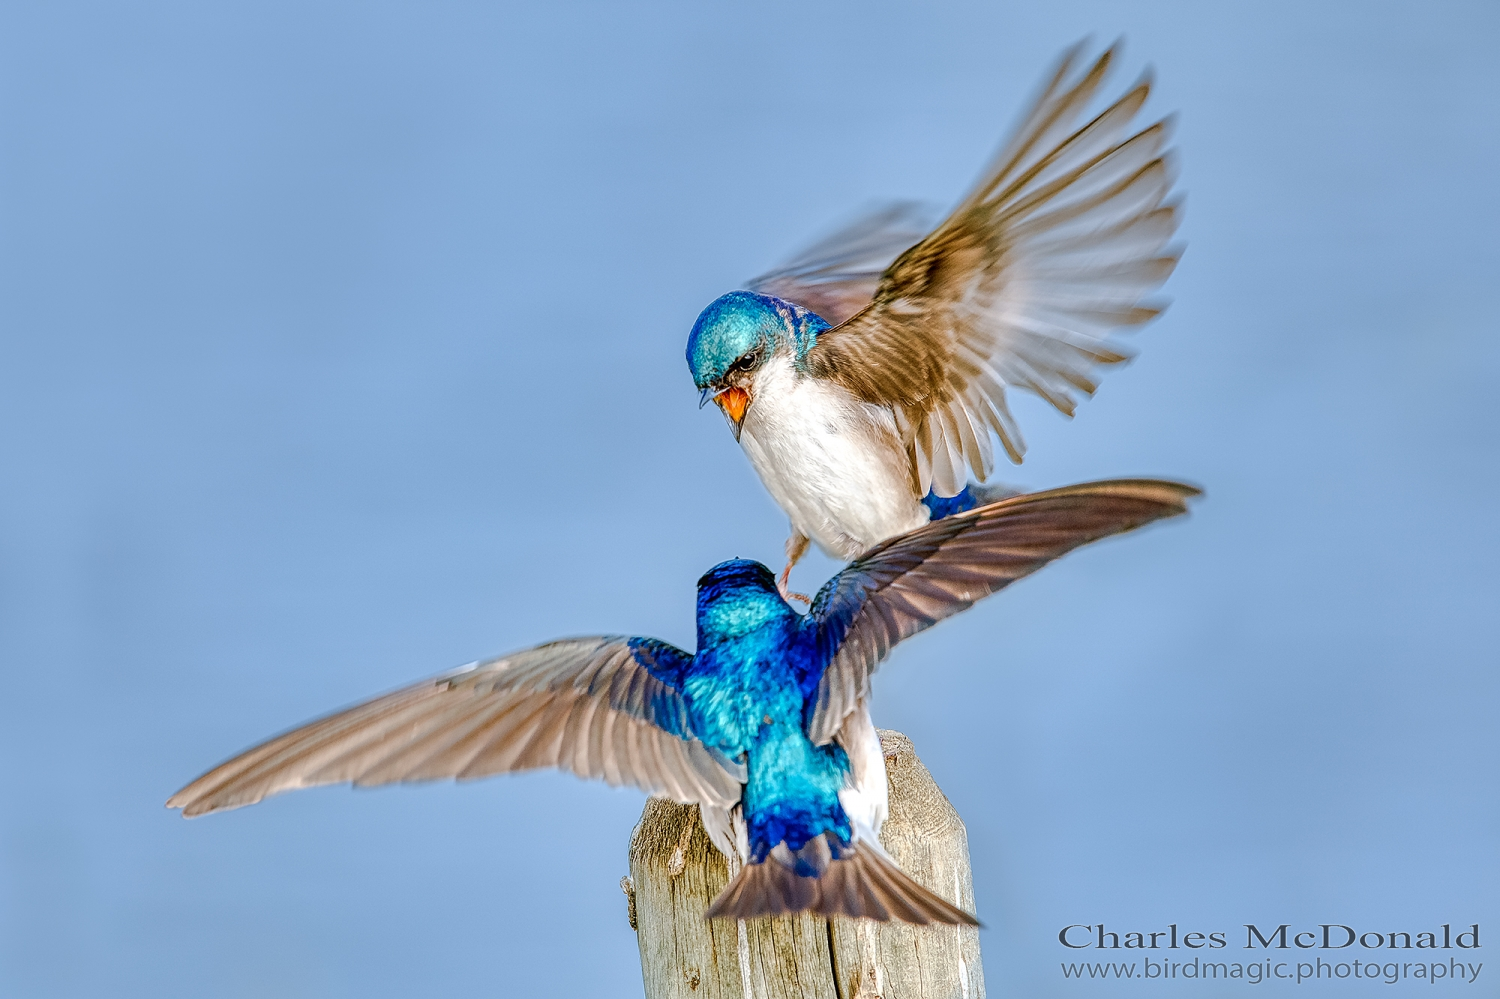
[864,883]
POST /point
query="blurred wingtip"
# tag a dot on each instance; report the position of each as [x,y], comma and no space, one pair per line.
[194,801]
[1169,492]
[1072,52]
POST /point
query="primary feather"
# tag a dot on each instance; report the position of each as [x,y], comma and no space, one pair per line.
[910,583]
[1020,286]
[587,705]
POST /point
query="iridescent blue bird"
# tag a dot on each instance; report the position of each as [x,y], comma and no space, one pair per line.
[866,380]
[765,727]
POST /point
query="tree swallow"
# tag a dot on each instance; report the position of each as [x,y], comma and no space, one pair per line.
[865,378]
[765,727]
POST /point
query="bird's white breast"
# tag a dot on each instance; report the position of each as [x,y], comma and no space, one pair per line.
[832,462]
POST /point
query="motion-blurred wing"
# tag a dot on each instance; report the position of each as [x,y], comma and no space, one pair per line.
[838,275]
[594,706]
[1055,248]
[909,583]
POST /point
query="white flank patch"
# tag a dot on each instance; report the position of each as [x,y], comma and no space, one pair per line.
[866,796]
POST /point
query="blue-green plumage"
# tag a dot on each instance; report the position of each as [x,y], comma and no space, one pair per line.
[747,691]
[744,328]
[792,794]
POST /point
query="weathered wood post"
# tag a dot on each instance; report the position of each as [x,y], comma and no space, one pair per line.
[675,872]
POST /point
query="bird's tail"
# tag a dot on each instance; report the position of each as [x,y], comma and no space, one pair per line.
[864,883]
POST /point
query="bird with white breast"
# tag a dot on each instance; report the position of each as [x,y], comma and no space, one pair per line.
[866,380]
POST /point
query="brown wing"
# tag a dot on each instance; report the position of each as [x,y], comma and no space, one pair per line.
[1055,248]
[838,275]
[911,582]
[585,705]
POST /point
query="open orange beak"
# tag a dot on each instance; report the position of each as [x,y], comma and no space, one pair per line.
[734,402]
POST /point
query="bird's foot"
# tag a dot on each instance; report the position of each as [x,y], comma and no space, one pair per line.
[783,583]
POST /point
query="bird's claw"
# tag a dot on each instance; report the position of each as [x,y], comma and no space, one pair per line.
[783,583]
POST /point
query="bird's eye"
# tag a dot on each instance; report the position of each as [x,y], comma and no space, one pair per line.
[746,362]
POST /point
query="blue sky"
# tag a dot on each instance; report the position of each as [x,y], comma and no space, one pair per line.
[342,344]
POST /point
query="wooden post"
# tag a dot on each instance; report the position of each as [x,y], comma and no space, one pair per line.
[675,872]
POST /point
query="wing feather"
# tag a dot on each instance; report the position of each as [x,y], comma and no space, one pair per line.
[393,760]
[838,275]
[465,739]
[584,705]
[1021,286]
[511,731]
[911,582]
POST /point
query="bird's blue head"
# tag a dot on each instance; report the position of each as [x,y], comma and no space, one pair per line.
[736,599]
[734,336]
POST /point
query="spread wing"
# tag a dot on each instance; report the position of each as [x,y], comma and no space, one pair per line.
[1020,286]
[838,275]
[594,706]
[909,583]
